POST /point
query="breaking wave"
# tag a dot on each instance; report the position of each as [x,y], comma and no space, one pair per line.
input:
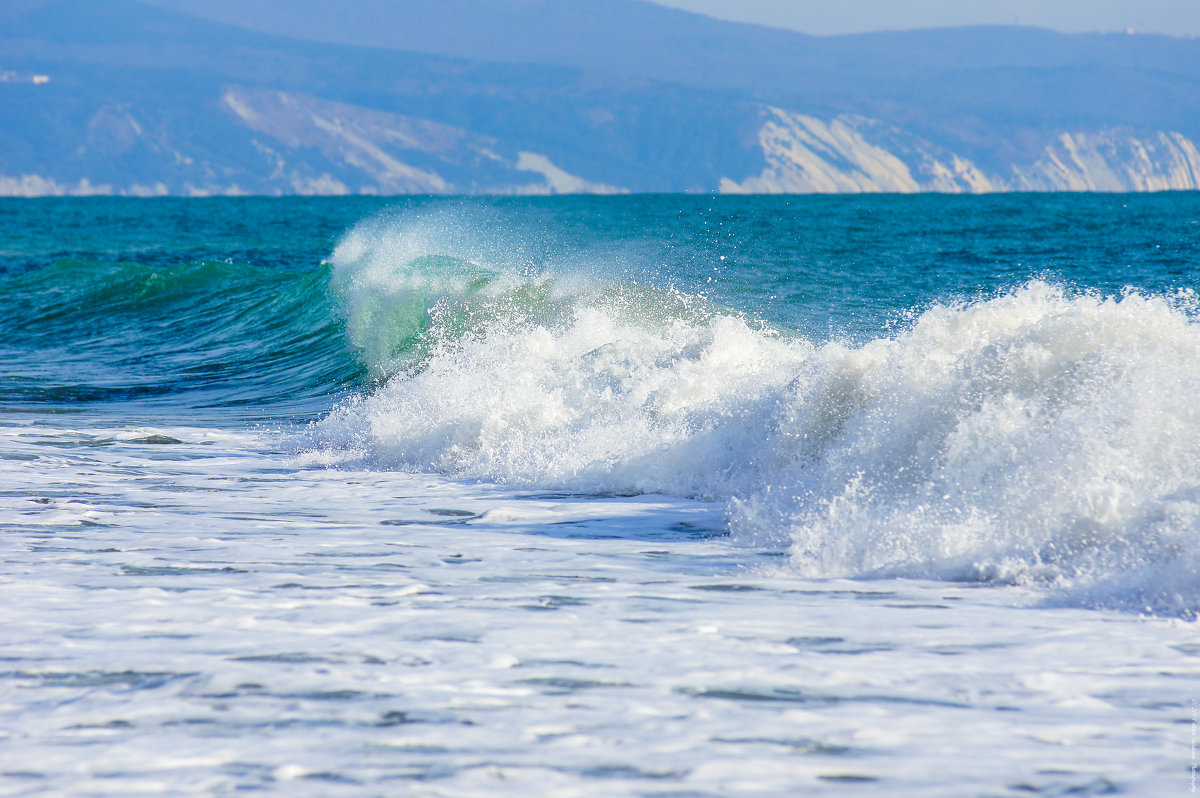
[1042,436]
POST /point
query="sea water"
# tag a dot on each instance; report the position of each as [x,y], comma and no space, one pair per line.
[663,495]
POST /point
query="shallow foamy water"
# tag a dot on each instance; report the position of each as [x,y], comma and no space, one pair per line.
[194,611]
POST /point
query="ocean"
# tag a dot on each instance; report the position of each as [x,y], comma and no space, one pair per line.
[600,496]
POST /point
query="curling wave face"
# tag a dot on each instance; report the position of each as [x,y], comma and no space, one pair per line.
[183,333]
[1040,436]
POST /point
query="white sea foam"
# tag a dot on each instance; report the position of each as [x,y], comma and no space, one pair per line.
[1042,436]
[200,618]
[1037,437]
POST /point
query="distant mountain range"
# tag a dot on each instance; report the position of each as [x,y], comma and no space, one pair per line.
[560,96]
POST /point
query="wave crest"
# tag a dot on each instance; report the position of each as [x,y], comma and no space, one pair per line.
[1042,436]
[1038,437]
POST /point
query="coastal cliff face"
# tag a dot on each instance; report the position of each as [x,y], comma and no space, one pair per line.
[309,146]
[132,99]
[1113,159]
[389,153]
[850,154]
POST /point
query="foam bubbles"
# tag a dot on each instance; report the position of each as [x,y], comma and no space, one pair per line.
[595,403]
[1042,436]
[1037,437]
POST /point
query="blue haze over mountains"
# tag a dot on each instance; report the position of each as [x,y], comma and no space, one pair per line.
[553,96]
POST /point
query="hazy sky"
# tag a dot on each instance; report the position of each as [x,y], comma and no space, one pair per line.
[1176,17]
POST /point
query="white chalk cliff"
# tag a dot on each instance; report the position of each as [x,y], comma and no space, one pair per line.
[1113,160]
[854,154]
[380,147]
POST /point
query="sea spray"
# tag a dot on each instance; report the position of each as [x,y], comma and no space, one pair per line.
[390,281]
[1042,435]
[549,379]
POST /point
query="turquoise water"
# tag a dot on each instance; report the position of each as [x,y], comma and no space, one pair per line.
[226,302]
[623,495]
